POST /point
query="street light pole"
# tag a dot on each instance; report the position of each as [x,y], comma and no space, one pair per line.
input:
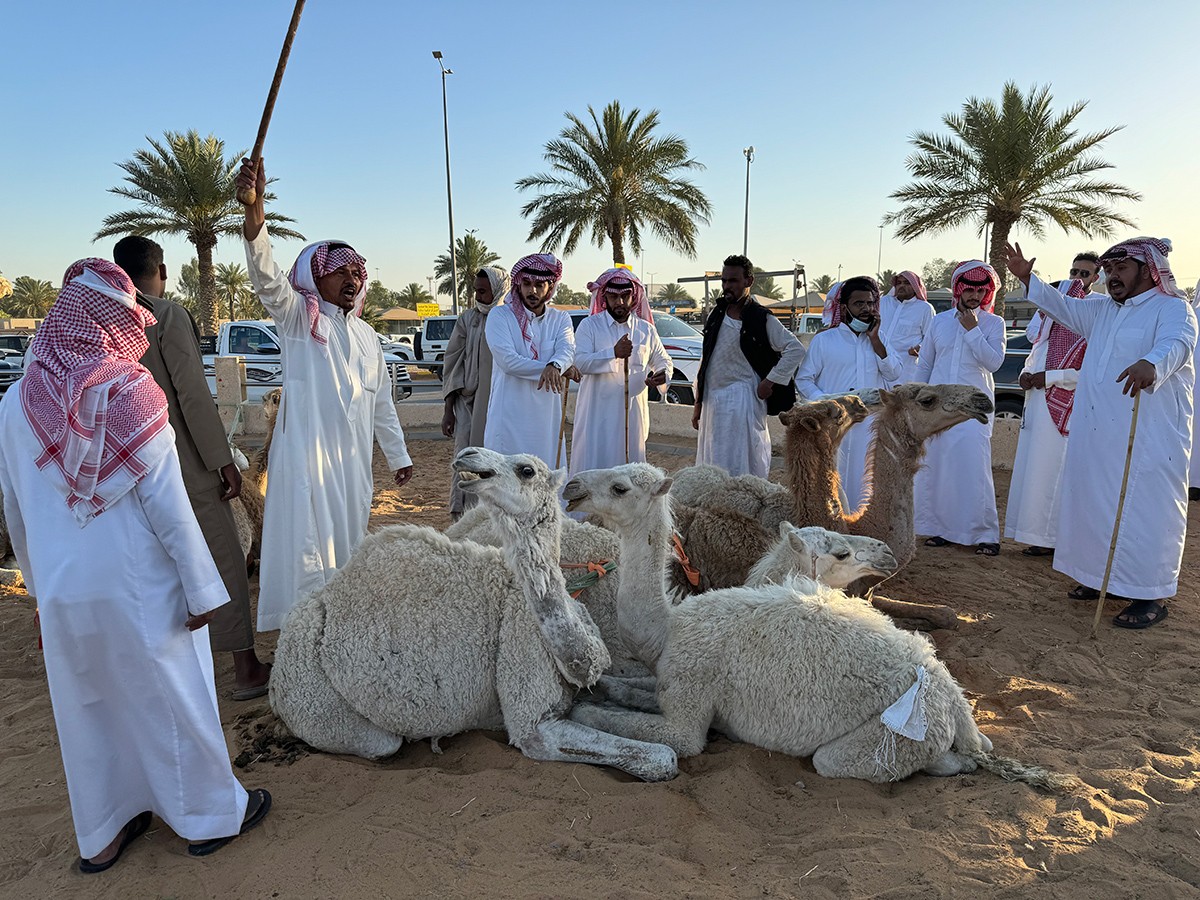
[437,54]
[879,261]
[749,151]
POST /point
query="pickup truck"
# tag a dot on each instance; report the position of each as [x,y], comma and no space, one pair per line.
[258,345]
[427,347]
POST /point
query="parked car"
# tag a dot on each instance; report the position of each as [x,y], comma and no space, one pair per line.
[257,342]
[1010,399]
[682,343]
[808,324]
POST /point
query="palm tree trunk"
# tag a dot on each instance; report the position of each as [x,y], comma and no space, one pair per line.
[617,235]
[208,285]
[998,259]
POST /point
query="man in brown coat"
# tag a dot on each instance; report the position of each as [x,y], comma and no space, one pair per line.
[209,473]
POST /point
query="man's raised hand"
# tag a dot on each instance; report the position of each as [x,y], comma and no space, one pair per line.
[1018,264]
[253,176]
[623,348]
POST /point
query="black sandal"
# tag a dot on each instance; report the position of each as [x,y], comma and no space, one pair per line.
[1141,614]
[257,808]
[1038,551]
[936,542]
[1079,592]
[134,829]
[987,549]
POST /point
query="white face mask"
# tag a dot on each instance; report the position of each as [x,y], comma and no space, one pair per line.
[858,326]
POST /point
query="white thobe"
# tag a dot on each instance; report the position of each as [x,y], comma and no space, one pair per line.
[1194,469]
[598,438]
[954,492]
[1160,329]
[1035,493]
[903,326]
[131,688]
[840,361]
[733,420]
[336,397]
[520,418]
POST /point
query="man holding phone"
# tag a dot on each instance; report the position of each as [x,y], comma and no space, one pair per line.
[848,357]
[620,332]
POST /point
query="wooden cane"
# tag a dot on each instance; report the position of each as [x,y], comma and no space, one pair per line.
[626,361]
[249,195]
[562,424]
[1112,546]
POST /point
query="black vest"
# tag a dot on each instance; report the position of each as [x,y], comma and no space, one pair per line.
[757,349]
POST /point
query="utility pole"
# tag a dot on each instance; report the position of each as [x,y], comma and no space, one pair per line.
[879,261]
[749,151]
[437,54]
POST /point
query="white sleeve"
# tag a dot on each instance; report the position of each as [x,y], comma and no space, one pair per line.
[16,529]
[286,307]
[928,355]
[590,358]
[564,342]
[810,370]
[387,422]
[987,343]
[785,343]
[1174,341]
[1078,315]
[501,333]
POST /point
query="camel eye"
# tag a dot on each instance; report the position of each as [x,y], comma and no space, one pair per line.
[525,471]
[842,554]
[619,489]
[927,401]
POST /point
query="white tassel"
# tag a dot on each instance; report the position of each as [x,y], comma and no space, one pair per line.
[907,717]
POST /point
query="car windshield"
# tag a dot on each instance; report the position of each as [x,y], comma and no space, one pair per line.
[439,329]
[670,327]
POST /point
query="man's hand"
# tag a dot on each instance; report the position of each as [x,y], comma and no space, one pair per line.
[623,348]
[403,476]
[195,623]
[448,421]
[696,416]
[765,388]
[253,177]
[231,482]
[968,318]
[1137,377]
[656,379]
[873,337]
[551,380]
[1018,264]
[1033,381]
[914,351]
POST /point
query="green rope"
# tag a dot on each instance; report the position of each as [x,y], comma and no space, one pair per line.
[589,578]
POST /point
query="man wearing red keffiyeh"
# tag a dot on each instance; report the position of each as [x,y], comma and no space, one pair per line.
[1049,379]
[108,544]
[1141,343]
[337,400]
[907,314]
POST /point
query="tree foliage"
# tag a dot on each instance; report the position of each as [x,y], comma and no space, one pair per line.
[565,296]
[821,284]
[31,298]
[612,180]
[184,184]
[235,295]
[936,273]
[472,255]
[673,294]
[1007,165]
[411,295]
[765,286]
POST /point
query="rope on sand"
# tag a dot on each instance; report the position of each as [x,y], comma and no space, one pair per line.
[1014,770]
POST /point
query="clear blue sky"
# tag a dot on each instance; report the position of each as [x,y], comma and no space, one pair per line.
[828,94]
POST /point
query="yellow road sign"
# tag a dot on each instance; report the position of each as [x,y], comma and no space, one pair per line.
[425,310]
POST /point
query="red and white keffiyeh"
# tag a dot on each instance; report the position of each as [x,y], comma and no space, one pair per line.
[915,280]
[314,263]
[99,416]
[832,313]
[975,273]
[641,305]
[1153,252]
[1064,350]
[530,267]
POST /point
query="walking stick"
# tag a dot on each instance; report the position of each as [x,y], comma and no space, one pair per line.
[626,361]
[562,425]
[249,195]
[1112,546]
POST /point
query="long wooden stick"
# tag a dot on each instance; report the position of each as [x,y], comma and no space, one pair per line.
[562,424]
[1112,546]
[626,361]
[249,195]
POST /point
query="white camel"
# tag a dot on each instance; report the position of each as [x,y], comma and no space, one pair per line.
[421,637]
[794,667]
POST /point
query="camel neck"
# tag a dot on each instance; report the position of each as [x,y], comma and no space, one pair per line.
[812,473]
[642,605]
[893,457]
[531,548]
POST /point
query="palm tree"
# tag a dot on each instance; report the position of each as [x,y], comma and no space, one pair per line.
[185,185]
[188,283]
[765,286]
[565,296]
[31,297]
[613,181]
[235,293]
[885,278]
[821,284]
[472,255]
[1018,164]
[673,295]
[412,295]
[5,288]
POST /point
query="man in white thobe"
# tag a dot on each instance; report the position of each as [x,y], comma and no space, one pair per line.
[1048,379]
[747,365]
[850,356]
[124,581]
[467,375]
[618,358]
[954,492]
[1140,344]
[1194,468]
[337,396]
[532,344]
[907,314]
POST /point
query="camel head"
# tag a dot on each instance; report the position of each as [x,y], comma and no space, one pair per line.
[830,418]
[270,404]
[826,556]
[517,485]
[621,496]
[930,409]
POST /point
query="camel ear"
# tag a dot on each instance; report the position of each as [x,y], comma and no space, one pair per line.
[796,539]
[785,529]
[810,423]
[559,477]
[663,487]
[786,417]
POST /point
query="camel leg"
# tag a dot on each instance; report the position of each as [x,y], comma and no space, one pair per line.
[560,740]
[950,763]
[935,614]
[854,754]
[685,739]
[625,694]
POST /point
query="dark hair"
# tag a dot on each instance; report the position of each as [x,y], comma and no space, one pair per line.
[738,260]
[139,256]
[858,283]
[1088,256]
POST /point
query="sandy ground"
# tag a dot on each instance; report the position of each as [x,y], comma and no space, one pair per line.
[482,820]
